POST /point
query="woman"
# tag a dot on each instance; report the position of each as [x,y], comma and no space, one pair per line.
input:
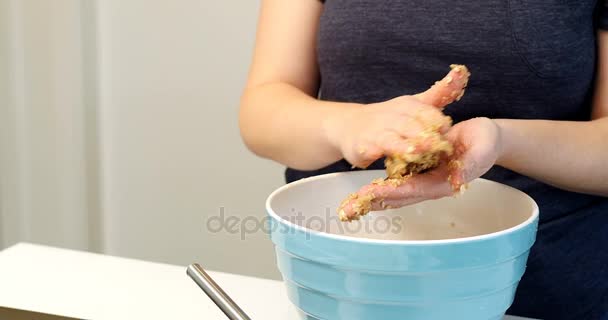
[333,85]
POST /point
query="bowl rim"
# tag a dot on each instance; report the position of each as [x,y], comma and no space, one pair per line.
[488,236]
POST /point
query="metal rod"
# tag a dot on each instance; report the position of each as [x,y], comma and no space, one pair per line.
[215,292]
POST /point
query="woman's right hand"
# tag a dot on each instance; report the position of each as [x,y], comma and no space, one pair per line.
[363,135]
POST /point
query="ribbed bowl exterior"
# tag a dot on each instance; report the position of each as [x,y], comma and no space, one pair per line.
[332,278]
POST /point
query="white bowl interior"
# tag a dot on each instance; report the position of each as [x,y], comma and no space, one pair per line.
[486,207]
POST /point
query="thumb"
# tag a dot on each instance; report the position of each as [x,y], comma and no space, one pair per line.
[448,89]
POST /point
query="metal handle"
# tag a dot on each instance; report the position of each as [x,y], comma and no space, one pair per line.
[215,292]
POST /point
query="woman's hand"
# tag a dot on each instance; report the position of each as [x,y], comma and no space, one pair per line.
[363,135]
[477,146]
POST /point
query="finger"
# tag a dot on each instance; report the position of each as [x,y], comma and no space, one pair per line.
[427,115]
[393,193]
[366,155]
[464,168]
[366,199]
[355,206]
[457,177]
[470,158]
[430,185]
[394,144]
[416,189]
[448,89]
[406,126]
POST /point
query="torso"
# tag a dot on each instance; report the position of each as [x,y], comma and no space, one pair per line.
[529,60]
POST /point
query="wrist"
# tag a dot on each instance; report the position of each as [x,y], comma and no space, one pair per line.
[334,123]
[504,141]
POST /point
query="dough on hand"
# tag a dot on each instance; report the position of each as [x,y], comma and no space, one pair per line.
[399,167]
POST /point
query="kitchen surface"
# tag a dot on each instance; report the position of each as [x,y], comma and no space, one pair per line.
[81,285]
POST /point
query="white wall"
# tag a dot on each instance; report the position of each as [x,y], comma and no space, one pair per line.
[171,74]
[43,179]
[151,128]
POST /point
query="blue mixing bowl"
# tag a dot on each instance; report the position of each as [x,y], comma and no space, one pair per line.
[452,258]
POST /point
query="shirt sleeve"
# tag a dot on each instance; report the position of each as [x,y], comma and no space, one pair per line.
[602,21]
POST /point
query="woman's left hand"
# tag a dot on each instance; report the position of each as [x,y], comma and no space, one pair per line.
[477,147]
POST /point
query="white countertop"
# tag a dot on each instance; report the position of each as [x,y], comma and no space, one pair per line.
[93,286]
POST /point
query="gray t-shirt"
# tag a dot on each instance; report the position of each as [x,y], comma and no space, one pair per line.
[529,60]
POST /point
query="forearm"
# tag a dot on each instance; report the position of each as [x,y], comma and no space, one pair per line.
[567,154]
[282,123]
